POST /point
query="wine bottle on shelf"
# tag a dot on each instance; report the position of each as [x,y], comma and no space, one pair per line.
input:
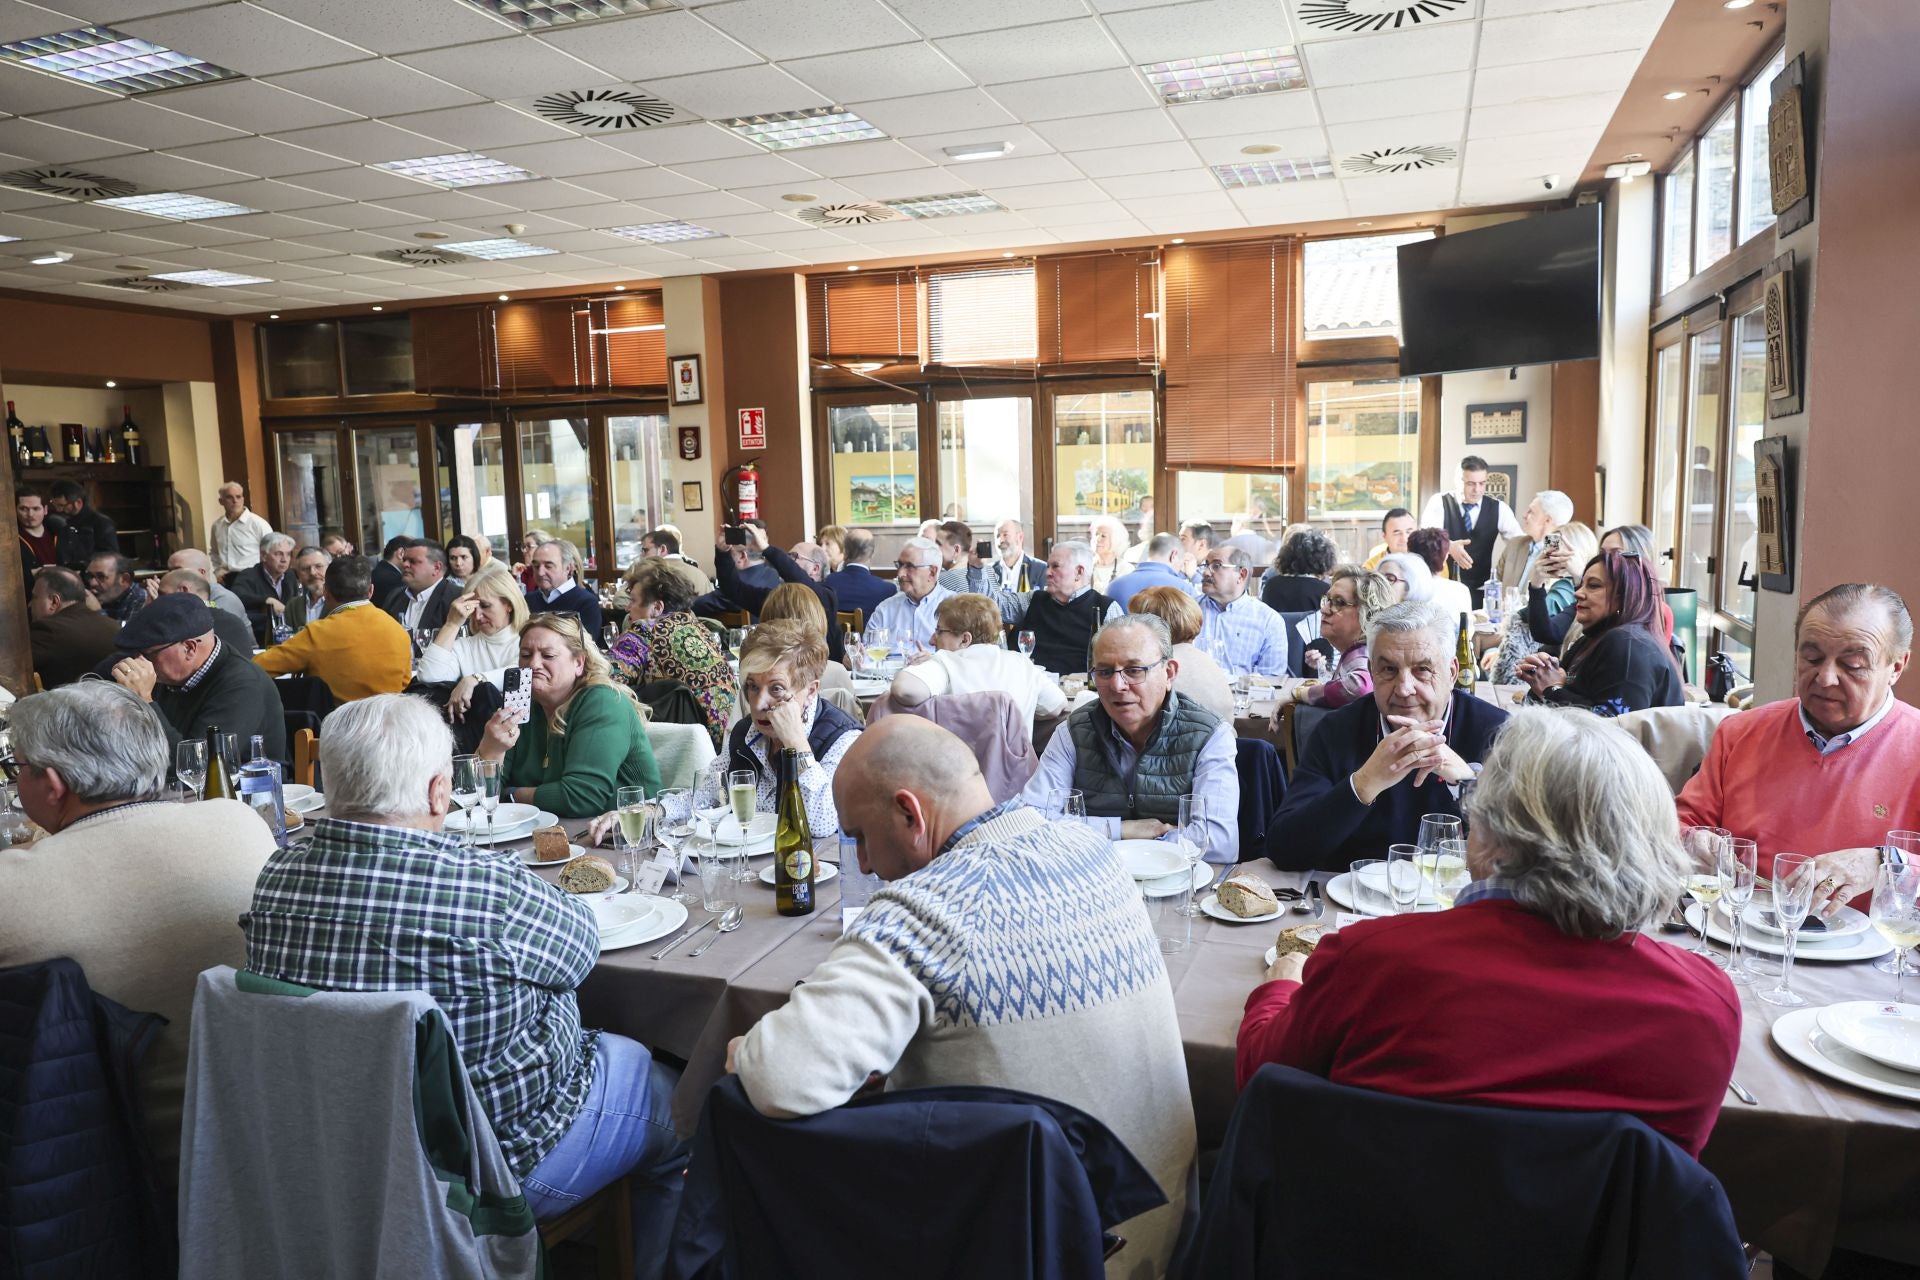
[129,437]
[70,437]
[16,437]
[41,445]
[109,451]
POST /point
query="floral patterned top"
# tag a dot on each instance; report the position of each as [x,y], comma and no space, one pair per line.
[675,646]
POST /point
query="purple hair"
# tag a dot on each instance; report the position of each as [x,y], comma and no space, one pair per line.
[1637,597]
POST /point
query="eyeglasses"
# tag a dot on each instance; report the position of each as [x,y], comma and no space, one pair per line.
[1216,566]
[1134,674]
[904,567]
[1329,605]
[151,654]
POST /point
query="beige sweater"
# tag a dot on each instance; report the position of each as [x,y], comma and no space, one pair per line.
[143,898]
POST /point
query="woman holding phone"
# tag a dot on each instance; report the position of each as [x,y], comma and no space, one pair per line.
[584,737]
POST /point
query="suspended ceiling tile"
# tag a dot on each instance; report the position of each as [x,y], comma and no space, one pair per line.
[1055,97]
[1134,186]
[743,91]
[360,216]
[564,159]
[265,157]
[253,106]
[1294,144]
[451,204]
[1114,162]
[1262,112]
[1443,128]
[379,88]
[244,38]
[507,68]
[1204,27]
[1316,20]
[1029,53]
[675,143]
[24,90]
[43,142]
[824,191]
[1015,171]
[1072,215]
[641,184]
[1020,140]
[1046,195]
[1198,205]
[781,29]
[482,126]
[100,217]
[703,204]
[266,196]
[751,225]
[668,43]
[1370,59]
[1591,110]
[139,124]
[944,18]
[387,27]
[906,184]
[879,73]
[932,112]
[1114,129]
[153,171]
[365,141]
[853,158]
[744,171]
[360,184]
[1348,104]
[1571,33]
[1556,78]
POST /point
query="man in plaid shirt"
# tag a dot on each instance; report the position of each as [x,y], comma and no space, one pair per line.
[381,900]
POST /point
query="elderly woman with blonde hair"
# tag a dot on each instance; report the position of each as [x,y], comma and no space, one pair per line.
[967,658]
[1200,679]
[799,603]
[1346,611]
[780,666]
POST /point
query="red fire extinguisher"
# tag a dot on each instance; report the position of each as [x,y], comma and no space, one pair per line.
[740,493]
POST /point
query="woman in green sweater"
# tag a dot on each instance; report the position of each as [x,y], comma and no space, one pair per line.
[586,737]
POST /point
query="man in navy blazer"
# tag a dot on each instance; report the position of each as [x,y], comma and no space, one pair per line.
[554,565]
[857,586]
[1372,769]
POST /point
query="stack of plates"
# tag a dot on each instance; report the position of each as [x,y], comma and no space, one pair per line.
[633,918]
[758,836]
[1369,897]
[510,822]
[1863,1043]
[302,799]
[1152,859]
[1848,936]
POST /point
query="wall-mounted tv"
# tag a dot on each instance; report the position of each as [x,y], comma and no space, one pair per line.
[1522,292]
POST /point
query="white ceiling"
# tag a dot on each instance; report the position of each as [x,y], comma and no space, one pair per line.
[1517,89]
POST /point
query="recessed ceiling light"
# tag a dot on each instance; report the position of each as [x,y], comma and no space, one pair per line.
[1674,95]
[619,288]
[1628,170]
[537,15]
[1738,4]
[379,308]
[503,297]
[274,316]
[111,384]
[1179,240]
[1006,255]
[106,59]
[853,266]
[799,197]
[978,150]
[946,206]
[1260,149]
[1267,173]
[464,169]
[51,259]
[813,127]
[1226,75]
[431,235]
[1363,224]
[181,208]
[496,249]
[212,279]
[667,232]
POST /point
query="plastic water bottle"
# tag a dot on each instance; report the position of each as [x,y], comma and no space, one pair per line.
[260,789]
[857,887]
[1491,594]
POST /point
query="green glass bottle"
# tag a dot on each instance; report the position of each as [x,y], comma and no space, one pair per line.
[793,863]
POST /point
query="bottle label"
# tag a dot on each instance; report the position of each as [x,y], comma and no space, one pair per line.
[799,865]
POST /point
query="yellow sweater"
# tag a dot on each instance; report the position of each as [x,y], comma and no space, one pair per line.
[358,650]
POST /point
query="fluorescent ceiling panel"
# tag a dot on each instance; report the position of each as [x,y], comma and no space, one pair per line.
[213,279]
[178,206]
[946,206]
[1267,173]
[666,232]
[539,15]
[465,169]
[1226,75]
[813,127]
[107,59]
[493,250]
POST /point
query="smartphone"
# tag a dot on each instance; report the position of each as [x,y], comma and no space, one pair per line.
[518,686]
[736,535]
[983,549]
[1551,541]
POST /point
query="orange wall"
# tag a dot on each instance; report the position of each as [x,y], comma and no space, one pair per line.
[64,339]
[764,349]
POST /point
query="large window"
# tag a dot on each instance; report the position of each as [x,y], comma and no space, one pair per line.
[1756,181]
[1231,499]
[1676,226]
[637,459]
[982,317]
[876,464]
[1363,448]
[310,484]
[1706,378]
[1352,286]
[386,472]
[1718,195]
[1713,229]
[556,481]
[1102,457]
[986,452]
[1743,499]
[1669,412]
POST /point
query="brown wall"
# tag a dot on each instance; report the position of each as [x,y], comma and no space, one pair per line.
[65,339]
[1576,435]
[764,349]
[243,443]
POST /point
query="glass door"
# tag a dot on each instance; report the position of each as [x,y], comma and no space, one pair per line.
[1669,405]
[1103,458]
[874,482]
[556,482]
[637,458]
[1740,538]
[386,470]
[309,472]
[986,461]
[1705,463]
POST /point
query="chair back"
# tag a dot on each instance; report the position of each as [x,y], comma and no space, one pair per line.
[989,723]
[845,699]
[1296,643]
[736,618]
[306,755]
[1408,1187]
[1263,787]
[681,752]
[1676,737]
[337,1134]
[854,620]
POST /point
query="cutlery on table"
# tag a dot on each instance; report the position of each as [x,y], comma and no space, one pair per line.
[728,923]
[1742,1094]
[1309,903]
[683,937]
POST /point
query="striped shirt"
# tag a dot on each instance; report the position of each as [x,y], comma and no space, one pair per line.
[1244,636]
[365,907]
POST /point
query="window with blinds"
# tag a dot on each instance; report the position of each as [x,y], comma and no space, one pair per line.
[868,315]
[1095,309]
[450,350]
[537,345]
[635,331]
[1230,364]
[982,316]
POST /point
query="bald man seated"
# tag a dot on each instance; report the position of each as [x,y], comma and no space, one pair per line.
[932,986]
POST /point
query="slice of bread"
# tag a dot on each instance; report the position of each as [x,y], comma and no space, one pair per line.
[587,875]
[1299,940]
[1247,896]
[550,844]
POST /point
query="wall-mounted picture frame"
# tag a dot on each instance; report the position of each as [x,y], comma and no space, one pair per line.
[1782,328]
[690,496]
[1504,423]
[1502,481]
[1789,167]
[684,384]
[1773,513]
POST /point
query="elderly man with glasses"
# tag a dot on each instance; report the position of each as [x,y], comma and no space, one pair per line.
[1241,633]
[1064,615]
[1136,750]
[910,616]
[197,683]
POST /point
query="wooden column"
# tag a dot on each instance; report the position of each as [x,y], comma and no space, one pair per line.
[16,650]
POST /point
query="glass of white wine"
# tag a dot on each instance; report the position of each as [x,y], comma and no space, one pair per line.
[1907,843]
[635,822]
[1702,847]
[1435,829]
[466,793]
[879,644]
[1450,874]
[743,793]
[1896,914]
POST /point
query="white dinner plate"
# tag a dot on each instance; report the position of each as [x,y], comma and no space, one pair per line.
[573,851]
[667,916]
[823,872]
[1888,1033]
[507,835]
[727,831]
[504,817]
[308,803]
[1341,890]
[1799,1036]
[1211,905]
[1845,923]
[294,792]
[1375,880]
[614,915]
[1150,859]
[1167,886]
[1861,946]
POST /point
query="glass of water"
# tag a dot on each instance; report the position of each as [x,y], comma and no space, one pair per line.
[1793,880]
[466,793]
[1192,836]
[1026,640]
[1403,877]
[190,764]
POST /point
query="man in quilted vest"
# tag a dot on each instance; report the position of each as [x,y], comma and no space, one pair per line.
[1139,748]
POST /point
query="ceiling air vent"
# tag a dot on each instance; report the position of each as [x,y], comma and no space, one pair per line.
[145,284]
[423,257]
[1364,16]
[849,215]
[67,182]
[605,110]
[1399,159]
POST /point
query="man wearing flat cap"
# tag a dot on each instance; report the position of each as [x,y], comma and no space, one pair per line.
[172,659]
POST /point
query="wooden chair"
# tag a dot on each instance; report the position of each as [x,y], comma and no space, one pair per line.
[605,1219]
[853,620]
[39,686]
[306,754]
[737,618]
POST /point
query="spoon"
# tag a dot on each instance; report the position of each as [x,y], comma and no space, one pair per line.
[1309,903]
[728,923]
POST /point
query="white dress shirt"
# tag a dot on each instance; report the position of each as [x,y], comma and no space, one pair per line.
[909,622]
[982,668]
[235,544]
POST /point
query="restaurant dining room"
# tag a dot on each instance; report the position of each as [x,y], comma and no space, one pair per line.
[1074,639]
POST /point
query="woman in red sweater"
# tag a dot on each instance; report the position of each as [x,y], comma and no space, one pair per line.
[1535,990]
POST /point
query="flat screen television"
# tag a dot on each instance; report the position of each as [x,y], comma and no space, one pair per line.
[1521,292]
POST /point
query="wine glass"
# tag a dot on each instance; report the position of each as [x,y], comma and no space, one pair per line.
[1739,868]
[878,644]
[1192,837]
[736,636]
[466,792]
[1074,805]
[1702,847]
[635,818]
[1908,845]
[743,793]
[672,810]
[1367,900]
[190,764]
[1403,877]
[1896,914]
[1450,875]
[1436,829]
[1793,879]
[489,771]
[423,638]
[1026,640]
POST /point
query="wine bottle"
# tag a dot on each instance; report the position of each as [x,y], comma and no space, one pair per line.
[219,785]
[1463,654]
[109,451]
[70,437]
[792,842]
[40,446]
[129,436]
[16,437]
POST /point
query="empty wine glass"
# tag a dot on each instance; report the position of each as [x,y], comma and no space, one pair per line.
[1896,914]
[1192,838]
[1907,843]
[466,793]
[1403,877]
[1793,879]
[489,774]
[190,764]
[1073,805]
[1704,883]
[1026,640]
[1739,871]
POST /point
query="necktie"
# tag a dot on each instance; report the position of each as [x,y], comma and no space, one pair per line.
[1469,512]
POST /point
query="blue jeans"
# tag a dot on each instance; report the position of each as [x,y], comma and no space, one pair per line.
[624,1126]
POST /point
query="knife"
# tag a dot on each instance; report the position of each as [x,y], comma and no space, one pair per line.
[683,937]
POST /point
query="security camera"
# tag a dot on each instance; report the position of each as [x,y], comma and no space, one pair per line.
[1551,182]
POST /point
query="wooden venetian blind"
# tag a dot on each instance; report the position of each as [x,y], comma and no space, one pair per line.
[537,346]
[982,316]
[867,315]
[451,350]
[1093,308]
[636,340]
[1231,377]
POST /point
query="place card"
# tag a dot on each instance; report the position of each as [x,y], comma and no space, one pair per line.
[650,878]
[1341,919]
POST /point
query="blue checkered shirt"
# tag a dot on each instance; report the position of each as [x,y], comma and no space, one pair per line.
[375,908]
[1244,636]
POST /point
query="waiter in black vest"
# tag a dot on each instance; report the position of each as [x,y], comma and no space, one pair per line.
[1475,522]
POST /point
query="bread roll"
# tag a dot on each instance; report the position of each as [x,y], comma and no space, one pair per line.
[587,875]
[1299,940]
[1247,896]
[550,844]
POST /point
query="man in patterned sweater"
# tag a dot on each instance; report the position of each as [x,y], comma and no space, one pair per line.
[952,974]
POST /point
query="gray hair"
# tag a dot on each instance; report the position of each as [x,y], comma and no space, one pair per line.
[1162,545]
[1236,555]
[1147,622]
[1842,600]
[104,742]
[1579,817]
[191,580]
[1634,538]
[1414,616]
[926,552]
[304,552]
[1554,505]
[569,554]
[1079,551]
[1414,569]
[274,541]
[382,754]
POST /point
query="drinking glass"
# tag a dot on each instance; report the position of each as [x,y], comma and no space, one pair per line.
[489,771]
[877,647]
[466,793]
[423,638]
[672,809]
[190,764]
[1242,696]
[1435,830]
[635,823]
[1073,805]
[1793,880]
[1367,900]
[1403,877]
[736,636]
[718,884]
[1026,640]
[1896,914]
[1702,847]
[1908,843]
[1450,874]
[743,793]
[13,823]
[1193,841]
[1739,868]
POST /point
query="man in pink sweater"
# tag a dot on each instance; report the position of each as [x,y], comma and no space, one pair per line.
[1833,769]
